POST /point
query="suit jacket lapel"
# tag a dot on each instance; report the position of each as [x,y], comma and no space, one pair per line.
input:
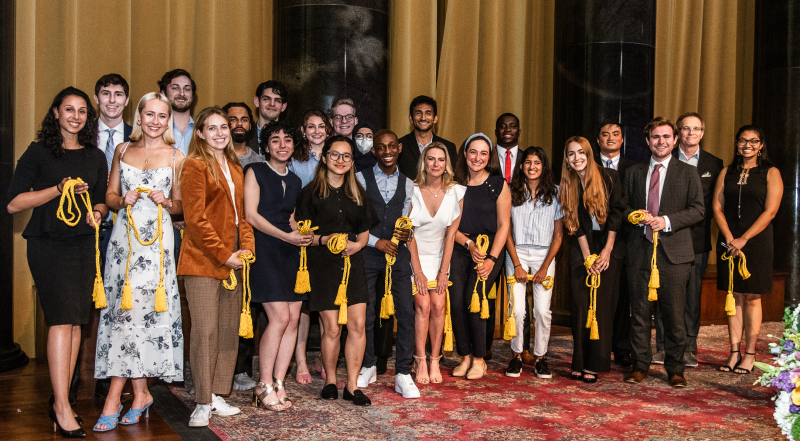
[642,196]
[669,182]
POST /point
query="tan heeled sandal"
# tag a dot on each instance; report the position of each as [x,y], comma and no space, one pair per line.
[258,399]
[420,372]
[435,379]
[279,384]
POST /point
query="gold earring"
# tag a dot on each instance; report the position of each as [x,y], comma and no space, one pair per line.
[759,153]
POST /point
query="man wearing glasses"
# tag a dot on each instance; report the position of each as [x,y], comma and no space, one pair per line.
[691,129]
[343,117]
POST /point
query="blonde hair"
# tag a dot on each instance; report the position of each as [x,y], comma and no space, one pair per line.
[448,179]
[137,132]
[200,149]
[595,195]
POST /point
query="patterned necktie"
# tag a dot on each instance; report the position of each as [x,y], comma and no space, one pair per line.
[508,166]
[110,147]
[652,199]
[609,164]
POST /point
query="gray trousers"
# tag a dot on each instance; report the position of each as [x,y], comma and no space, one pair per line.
[691,314]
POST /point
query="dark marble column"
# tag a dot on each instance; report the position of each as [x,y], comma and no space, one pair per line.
[604,71]
[776,96]
[11,355]
[328,49]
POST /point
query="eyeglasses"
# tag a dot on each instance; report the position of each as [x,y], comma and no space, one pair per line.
[345,157]
[340,118]
[743,142]
[692,129]
[363,136]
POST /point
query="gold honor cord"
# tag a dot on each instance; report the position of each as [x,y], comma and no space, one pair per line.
[593,282]
[303,284]
[510,330]
[72,219]
[387,303]
[448,320]
[336,244]
[730,302]
[655,280]
[161,293]
[245,319]
[482,243]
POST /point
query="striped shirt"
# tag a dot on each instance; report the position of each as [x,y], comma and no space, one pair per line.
[533,223]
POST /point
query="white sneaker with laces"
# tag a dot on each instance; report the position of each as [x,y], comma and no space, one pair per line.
[404,385]
[221,408]
[200,416]
[243,382]
[367,376]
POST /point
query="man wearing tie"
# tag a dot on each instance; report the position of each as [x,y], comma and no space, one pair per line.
[610,141]
[671,194]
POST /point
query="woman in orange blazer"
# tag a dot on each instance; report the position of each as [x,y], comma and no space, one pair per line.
[216,234]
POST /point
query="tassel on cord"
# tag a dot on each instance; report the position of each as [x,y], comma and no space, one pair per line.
[245,319]
[336,244]
[387,303]
[730,302]
[655,280]
[72,219]
[303,283]
[161,292]
[448,320]
[482,243]
[593,282]
[510,330]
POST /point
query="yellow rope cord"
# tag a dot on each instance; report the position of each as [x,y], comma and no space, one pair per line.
[655,280]
[303,283]
[593,282]
[336,244]
[482,243]
[448,320]
[68,195]
[510,330]
[730,302]
[161,293]
[245,319]
[387,303]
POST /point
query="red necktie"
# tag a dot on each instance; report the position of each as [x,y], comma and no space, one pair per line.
[508,166]
[652,199]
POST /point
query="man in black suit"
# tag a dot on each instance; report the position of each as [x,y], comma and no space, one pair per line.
[270,100]
[671,194]
[708,166]
[610,142]
[422,114]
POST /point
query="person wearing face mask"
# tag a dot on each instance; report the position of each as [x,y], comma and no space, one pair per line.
[363,134]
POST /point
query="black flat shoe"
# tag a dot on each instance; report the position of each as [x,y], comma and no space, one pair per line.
[329,392]
[589,378]
[358,398]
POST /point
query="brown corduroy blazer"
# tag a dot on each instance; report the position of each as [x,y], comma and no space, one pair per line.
[210,235]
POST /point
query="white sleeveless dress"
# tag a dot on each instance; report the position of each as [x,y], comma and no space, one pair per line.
[140,342]
[429,232]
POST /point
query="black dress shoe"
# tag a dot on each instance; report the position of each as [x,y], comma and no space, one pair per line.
[329,392]
[358,398]
[623,359]
[77,433]
[52,402]
[380,366]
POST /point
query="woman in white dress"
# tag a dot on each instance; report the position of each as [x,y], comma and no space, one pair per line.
[435,212]
[139,342]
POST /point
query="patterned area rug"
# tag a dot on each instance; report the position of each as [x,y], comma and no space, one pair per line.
[714,406]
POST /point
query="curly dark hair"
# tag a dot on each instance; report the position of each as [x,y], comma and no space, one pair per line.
[545,191]
[50,133]
[275,127]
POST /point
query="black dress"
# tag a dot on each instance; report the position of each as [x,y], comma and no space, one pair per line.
[759,250]
[61,258]
[479,216]
[273,275]
[335,214]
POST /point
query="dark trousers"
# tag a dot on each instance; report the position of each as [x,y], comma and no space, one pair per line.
[621,338]
[691,315]
[671,302]
[375,266]
[468,327]
[244,357]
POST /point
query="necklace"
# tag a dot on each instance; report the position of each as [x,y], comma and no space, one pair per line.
[742,181]
[147,159]
[276,171]
[436,195]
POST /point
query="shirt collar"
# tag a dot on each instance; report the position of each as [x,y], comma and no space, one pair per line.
[605,159]
[101,126]
[664,163]
[377,169]
[682,156]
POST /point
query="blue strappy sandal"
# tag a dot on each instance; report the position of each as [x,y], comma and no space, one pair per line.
[134,415]
[109,421]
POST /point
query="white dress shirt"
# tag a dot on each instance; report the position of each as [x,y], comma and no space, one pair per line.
[102,135]
[501,156]
[662,175]
[691,160]
[614,161]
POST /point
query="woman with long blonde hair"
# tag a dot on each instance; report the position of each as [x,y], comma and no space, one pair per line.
[591,199]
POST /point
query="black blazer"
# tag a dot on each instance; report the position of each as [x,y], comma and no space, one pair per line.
[708,168]
[616,208]
[409,157]
[622,167]
[681,201]
[517,160]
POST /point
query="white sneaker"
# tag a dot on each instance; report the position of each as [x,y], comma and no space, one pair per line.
[243,382]
[403,384]
[200,416]
[367,376]
[221,408]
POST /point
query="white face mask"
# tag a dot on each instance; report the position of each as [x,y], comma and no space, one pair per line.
[364,145]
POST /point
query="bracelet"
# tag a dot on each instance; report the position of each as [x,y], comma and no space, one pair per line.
[98,211]
[320,241]
[492,258]
[517,265]
[445,273]
[60,190]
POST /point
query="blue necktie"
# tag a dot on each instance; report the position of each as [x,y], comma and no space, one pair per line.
[609,164]
[110,147]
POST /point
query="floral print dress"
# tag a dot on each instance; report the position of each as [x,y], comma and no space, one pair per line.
[141,342]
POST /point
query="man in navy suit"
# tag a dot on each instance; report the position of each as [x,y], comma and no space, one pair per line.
[671,195]
[422,114]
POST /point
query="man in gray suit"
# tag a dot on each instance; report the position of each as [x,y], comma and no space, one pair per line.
[671,193]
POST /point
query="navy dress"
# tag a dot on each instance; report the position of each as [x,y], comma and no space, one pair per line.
[273,275]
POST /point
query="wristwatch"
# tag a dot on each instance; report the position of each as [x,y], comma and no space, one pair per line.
[466,244]
[445,273]
[493,259]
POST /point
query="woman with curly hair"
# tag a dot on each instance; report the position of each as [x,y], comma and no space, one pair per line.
[60,257]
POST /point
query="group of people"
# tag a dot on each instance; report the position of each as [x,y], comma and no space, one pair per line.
[365,228]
